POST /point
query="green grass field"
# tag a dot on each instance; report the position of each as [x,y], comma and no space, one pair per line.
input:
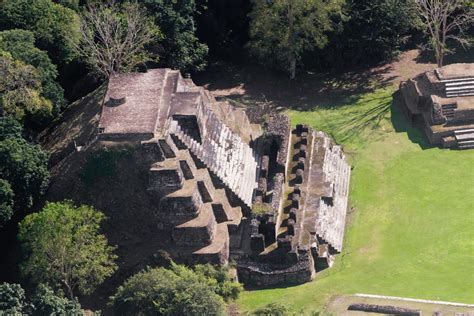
[411,224]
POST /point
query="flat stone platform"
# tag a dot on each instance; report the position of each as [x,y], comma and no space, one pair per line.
[133,102]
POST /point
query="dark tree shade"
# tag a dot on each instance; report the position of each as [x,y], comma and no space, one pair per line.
[9,127]
[25,167]
[6,202]
[180,48]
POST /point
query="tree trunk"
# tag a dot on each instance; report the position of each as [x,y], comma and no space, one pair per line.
[292,67]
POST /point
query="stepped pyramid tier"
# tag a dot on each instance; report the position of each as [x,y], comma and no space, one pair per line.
[443,100]
[219,188]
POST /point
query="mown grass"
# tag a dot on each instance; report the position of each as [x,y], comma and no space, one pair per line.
[412,212]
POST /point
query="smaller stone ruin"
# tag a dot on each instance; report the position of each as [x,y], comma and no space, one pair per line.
[308,199]
[442,100]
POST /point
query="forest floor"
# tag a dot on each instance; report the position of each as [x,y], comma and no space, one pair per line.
[410,224]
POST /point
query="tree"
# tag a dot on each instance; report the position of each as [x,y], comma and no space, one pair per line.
[114,37]
[25,167]
[47,302]
[180,48]
[6,202]
[446,20]
[9,127]
[21,45]
[44,302]
[376,29]
[160,291]
[55,28]
[65,249]
[12,299]
[282,30]
[20,90]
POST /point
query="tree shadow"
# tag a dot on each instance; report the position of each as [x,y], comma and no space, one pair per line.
[250,84]
[459,55]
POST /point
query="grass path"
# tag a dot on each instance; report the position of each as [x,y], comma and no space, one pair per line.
[411,230]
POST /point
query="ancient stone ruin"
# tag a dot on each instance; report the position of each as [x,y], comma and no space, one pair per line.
[443,101]
[228,187]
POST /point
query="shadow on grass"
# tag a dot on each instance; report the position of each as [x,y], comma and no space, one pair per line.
[250,84]
[401,124]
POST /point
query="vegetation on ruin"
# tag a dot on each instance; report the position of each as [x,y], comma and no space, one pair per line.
[409,231]
[102,164]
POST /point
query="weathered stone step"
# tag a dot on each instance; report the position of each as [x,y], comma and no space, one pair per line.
[464,137]
[459,83]
[464,94]
[464,131]
[445,81]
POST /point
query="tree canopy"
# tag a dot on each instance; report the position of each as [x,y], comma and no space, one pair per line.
[21,45]
[20,90]
[114,37]
[56,28]
[65,249]
[282,30]
[175,291]
[180,48]
[44,301]
[22,164]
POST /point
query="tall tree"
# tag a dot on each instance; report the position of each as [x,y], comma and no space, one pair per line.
[180,48]
[446,20]
[377,29]
[65,249]
[20,90]
[21,45]
[55,27]
[282,30]
[114,37]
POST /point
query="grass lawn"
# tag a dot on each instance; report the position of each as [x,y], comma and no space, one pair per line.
[411,229]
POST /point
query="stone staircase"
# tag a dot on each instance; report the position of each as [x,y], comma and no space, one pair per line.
[448,111]
[332,216]
[459,87]
[201,213]
[225,154]
[465,138]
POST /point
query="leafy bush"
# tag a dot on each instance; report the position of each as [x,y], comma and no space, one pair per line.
[175,291]
[46,302]
[223,285]
[12,299]
[272,309]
